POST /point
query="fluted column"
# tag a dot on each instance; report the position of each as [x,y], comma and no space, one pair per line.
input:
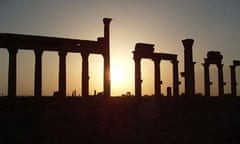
[12,72]
[138,81]
[206,79]
[107,80]
[233,81]
[62,73]
[220,80]
[157,84]
[85,77]
[175,78]
[38,73]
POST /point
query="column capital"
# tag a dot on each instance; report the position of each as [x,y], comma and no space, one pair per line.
[12,50]
[206,65]
[38,51]
[107,20]
[85,54]
[174,61]
[157,60]
[62,53]
[136,58]
[220,65]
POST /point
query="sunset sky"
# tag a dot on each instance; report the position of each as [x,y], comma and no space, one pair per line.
[214,25]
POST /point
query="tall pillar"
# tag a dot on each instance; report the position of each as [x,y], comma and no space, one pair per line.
[107,80]
[220,80]
[206,79]
[38,73]
[138,81]
[62,73]
[233,81]
[12,72]
[175,78]
[85,77]
[157,84]
[189,67]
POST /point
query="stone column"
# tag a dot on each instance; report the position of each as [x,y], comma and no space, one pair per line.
[175,78]
[189,67]
[233,81]
[12,73]
[38,73]
[206,79]
[62,73]
[107,80]
[85,77]
[138,81]
[157,84]
[220,80]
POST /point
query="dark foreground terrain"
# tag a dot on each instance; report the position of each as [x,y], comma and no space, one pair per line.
[76,120]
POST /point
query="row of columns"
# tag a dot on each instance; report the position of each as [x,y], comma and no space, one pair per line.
[233,77]
[207,82]
[157,77]
[38,73]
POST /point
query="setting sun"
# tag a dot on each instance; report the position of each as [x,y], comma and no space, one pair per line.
[118,76]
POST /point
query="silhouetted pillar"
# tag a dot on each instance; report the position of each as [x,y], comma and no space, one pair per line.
[138,81]
[233,81]
[157,77]
[85,77]
[206,79]
[175,78]
[107,80]
[38,73]
[12,72]
[220,80]
[189,67]
[62,73]
[169,92]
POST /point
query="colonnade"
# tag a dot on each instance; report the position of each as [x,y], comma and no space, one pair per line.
[39,44]
[213,58]
[139,54]
[233,77]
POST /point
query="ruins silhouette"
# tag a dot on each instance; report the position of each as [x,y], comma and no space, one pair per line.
[188,118]
[39,44]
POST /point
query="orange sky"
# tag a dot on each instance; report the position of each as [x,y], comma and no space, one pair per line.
[213,25]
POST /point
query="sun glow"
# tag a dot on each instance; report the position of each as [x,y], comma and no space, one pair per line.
[118,76]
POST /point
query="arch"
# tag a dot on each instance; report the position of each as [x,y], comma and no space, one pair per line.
[147,77]
[233,77]
[50,66]
[213,78]
[96,71]
[166,77]
[213,57]
[25,73]
[238,81]
[4,72]
[74,78]
[146,51]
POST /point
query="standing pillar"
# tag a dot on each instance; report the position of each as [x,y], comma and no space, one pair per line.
[85,77]
[189,67]
[107,80]
[206,79]
[138,81]
[12,72]
[62,73]
[157,77]
[233,81]
[175,78]
[220,80]
[38,73]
